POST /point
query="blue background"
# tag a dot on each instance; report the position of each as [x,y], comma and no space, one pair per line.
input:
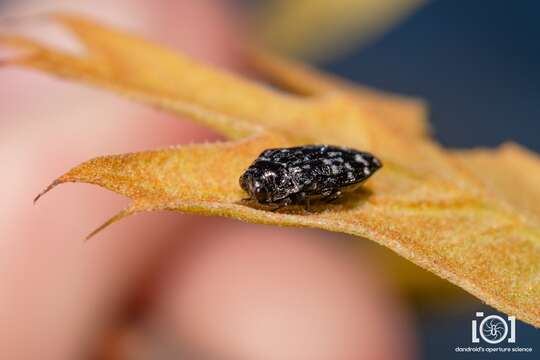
[476,62]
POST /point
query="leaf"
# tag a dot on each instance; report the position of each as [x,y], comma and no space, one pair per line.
[511,173]
[405,114]
[426,204]
[193,178]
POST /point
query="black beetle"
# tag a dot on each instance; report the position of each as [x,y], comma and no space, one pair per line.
[297,175]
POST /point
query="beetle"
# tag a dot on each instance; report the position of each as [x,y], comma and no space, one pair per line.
[298,175]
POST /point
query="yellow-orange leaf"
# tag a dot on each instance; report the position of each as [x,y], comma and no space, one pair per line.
[510,172]
[406,114]
[425,204]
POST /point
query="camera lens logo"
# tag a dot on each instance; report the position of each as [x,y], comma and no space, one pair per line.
[493,329]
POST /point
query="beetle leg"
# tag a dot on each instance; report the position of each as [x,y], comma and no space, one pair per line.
[283,203]
[326,193]
[302,198]
[307,203]
[334,195]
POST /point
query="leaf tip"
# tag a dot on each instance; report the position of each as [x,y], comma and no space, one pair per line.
[122,214]
[47,189]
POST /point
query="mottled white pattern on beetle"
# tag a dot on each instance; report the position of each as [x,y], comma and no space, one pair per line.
[360,159]
[269,175]
[327,162]
[335,169]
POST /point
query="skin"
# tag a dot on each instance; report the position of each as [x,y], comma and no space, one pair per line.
[216,286]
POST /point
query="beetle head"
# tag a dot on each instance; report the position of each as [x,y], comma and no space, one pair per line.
[265,182]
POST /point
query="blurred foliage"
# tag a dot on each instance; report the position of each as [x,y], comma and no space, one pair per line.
[322,29]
